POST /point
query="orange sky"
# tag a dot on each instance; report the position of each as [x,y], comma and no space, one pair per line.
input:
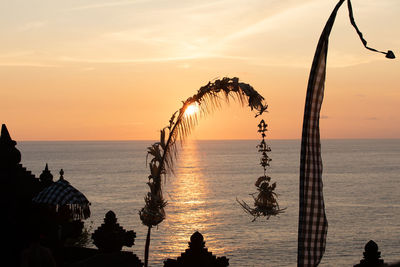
[117,70]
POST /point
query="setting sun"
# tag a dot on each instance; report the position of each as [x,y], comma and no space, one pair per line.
[192,109]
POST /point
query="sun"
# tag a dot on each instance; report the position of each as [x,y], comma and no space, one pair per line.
[192,109]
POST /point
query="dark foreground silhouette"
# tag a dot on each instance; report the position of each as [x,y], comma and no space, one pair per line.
[197,255]
[36,236]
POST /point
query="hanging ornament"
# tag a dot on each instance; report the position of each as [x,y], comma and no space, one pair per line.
[265,200]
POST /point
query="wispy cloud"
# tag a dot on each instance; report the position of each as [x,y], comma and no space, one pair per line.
[14,54]
[32,25]
[371,118]
[27,64]
[187,8]
[272,20]
[201,36]
[345,59]
[27,58]
[146,60]
[193,30]
[108,4]
[87,69]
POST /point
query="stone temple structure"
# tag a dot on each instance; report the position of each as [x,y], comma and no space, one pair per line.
[109,238]
[22,221]
[17,187]
[197,255]
[372,256]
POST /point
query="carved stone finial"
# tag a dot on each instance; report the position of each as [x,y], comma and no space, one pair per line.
[371,251]
[110,218]
[61,174]
[110,236]
[46,177]
[197,241]
[197,255]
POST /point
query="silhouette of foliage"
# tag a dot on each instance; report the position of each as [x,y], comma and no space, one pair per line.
[265,203]
[164,152]
[84,239]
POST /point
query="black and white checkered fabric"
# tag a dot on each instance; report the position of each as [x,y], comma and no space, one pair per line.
[61,193]
[313,224]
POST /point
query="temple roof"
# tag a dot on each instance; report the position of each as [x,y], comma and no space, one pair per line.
[5,135]
[9,154]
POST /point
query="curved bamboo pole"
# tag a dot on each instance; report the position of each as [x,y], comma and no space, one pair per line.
[164,153]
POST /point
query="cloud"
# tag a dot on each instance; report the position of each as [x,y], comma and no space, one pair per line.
[348,59]
[185,6]
[273,20]
[372,118]
[163,31]
[201,35]
[146,60]
[107,4]
[87,69]
[24,59]
[184,66]
[33,25]
[14,54]
[27,64]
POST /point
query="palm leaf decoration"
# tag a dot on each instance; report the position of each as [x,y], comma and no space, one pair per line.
[265,201]
[164,152]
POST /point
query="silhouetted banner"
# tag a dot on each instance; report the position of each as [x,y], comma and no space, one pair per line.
[313,224]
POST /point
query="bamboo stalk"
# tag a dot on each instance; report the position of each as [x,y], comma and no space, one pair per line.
[147,248]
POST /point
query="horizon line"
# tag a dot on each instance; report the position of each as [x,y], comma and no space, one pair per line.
[230,139]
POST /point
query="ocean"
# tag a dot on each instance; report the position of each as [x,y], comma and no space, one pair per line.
[361,190]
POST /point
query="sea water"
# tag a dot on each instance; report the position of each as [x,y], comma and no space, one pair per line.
[361,189]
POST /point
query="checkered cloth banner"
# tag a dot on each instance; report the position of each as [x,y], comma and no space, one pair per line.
[313,224]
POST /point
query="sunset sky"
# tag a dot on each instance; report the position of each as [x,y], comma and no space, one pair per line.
[117,70]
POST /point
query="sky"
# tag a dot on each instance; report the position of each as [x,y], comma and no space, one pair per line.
[118,69]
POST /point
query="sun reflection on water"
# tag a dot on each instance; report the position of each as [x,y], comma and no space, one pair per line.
[189,208]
